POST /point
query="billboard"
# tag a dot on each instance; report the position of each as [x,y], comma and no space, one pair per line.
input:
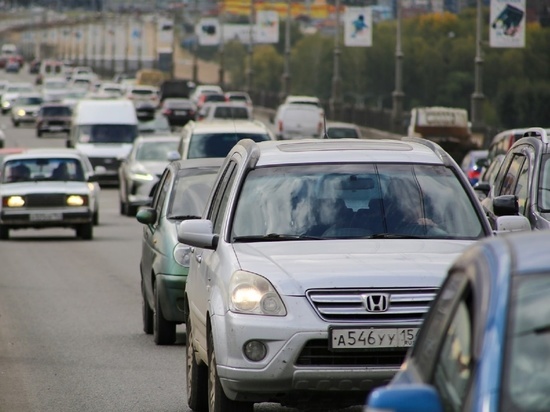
[357,27]
[507,23]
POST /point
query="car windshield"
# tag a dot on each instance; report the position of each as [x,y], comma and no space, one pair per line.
[56,111]
[29,101]
[156,151]
[108,133]
[49,169]
[190,192]
[342,133]
[526,384]
[219,144]
[355,201]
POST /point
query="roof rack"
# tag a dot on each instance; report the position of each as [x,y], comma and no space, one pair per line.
[538,132]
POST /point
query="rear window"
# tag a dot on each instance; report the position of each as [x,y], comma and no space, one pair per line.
[214,98]
[342,133]
[56,111]
[231,113]
[219,144]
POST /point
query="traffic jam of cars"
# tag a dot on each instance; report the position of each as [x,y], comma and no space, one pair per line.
[311,266]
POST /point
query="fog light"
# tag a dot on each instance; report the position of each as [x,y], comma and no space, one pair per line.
[254,350]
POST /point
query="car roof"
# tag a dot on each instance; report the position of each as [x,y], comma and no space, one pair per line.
[345,150]
[221,126]
[44,154]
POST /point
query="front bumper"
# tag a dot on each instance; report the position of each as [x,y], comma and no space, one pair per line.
[171,290]
[298,360]
[45,217]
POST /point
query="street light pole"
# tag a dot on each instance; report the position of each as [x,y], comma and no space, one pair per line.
[398,94]
[196,46]
[221,69]
[250,69]
[478,97]
[286,73]
[336,95]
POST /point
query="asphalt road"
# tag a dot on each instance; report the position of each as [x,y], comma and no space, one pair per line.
[70,317]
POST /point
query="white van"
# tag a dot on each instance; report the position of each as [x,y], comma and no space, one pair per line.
[298,121]
[104,130]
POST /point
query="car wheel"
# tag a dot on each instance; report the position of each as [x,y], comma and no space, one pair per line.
[38,133]
[4,232]
[146,312]
[95,218]
[122,207]
[85,231]
[218,401]
[164,331]
[197,374]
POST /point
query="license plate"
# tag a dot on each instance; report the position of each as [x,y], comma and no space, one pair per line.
[372,338]
[45,217]
[181,112]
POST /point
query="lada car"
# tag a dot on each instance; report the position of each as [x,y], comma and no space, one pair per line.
[53,118]
[314,264]
[483,347]
[45,189]
[25,108]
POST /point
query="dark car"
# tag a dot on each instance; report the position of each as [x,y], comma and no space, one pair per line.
[53,118]
[484,342]
[522,185]
[181,194]
[178,111]
[13,66]
[34,67]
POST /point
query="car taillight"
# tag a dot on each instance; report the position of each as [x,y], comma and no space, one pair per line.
[473,174]
[167,112]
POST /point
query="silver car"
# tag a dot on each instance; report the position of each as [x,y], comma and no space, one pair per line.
[25,108]
[46,189]
[140,171]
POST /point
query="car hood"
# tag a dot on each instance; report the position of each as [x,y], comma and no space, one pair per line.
[43,187]
[104,149]
[10,96]
[28,107]
[298,266]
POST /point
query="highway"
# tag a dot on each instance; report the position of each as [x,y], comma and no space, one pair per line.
[71,334]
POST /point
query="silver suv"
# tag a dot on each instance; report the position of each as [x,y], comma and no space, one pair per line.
[314,264]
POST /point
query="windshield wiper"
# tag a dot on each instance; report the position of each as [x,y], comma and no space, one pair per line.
[394,236]
[274,237]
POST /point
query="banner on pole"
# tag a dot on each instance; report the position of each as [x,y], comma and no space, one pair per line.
[267,27]
[507,23]
[358,27]
[208,31]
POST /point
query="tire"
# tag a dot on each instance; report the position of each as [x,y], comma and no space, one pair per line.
[38,133]
[85,231]
[196,376]
[95,218]
[4,232]
[218,401]
[146,312]
[164,331]
[122,208]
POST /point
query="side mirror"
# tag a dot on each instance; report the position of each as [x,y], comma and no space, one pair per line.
[505,205]
[508,224]
[198,233]
[146,215]
[483,187]
[404,398]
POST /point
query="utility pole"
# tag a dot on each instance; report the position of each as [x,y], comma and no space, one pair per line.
[221,70]
[477,97]
[398,95]
[286,73]
[250,69]
[196,46]
[336,95]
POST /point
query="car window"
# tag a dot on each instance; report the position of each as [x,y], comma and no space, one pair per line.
[56,111]
[544,184]
[161,192]
[218,144]
[526,385]
[353,200]
[222,197]
[43,169]
[522,186]
[155,151]
[107,133]
[510,178]
[231,113]
[342,133]
[190,193]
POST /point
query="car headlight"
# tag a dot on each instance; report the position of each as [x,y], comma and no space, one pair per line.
[21,112]
[6,104]
[182,254]
[14,201]
[254,294]
[77,200]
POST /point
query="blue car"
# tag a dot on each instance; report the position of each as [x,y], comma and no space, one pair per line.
[485,343]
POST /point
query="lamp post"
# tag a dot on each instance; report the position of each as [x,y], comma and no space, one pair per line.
[250,69]
[196,46]
[398,94]
[221,69]
[478,97]
[336,94]
[286,73]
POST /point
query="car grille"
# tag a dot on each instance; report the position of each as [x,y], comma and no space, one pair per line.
[55,123]
[316,353]
[46,200]
[110,163]
[406,305]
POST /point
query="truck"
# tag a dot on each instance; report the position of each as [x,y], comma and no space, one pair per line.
[447,126]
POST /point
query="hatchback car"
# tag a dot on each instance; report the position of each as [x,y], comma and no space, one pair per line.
[472,163]
[216,138]
[139,94]
[180,195]
[314,264]
[484,344]
[522,185]
[53,118]
[224,111]
[25,108]
[46,189]
[140,171]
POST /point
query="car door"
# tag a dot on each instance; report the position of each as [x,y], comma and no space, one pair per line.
[150,244]
[205,262]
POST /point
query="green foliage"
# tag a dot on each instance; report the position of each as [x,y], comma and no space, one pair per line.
[268,66]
